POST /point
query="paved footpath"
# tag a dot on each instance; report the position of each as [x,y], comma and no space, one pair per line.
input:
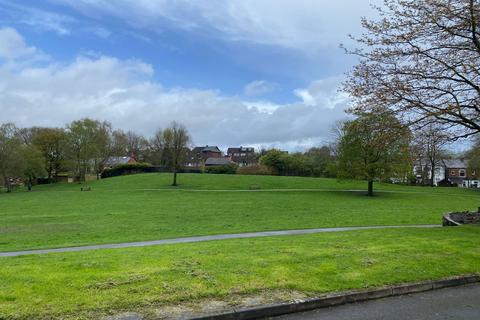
[206,238]
[450,303]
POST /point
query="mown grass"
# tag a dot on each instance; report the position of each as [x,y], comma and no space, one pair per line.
[95,283]
[145,207]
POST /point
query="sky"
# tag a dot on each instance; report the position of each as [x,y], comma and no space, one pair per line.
[261,73]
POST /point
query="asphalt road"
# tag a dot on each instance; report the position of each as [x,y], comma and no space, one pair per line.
[459,303]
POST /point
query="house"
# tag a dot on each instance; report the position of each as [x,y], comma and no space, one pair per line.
[199,155]
[447,171]
[423,173]
[113,161]
[458,173]
[212,162]
[243,156]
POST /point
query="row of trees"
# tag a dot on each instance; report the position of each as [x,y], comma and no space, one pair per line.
[84,145]
[376,146]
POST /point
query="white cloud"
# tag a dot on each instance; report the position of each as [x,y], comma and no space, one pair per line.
[259,87]
[323,92]
[125,93]
[262,106]
[12,45]
[307,25]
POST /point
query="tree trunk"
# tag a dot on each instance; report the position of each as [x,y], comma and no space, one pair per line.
[432,175]
[174,178]
[370,188]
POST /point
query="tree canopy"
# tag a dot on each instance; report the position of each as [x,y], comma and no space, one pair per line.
[421,59]
[175,140]
[373,147]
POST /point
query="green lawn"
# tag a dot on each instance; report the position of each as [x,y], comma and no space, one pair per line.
[145,207]
[91,284]
[87,285]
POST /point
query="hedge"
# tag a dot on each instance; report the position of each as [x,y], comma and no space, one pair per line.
[223,169]
[260,170]
[128,168]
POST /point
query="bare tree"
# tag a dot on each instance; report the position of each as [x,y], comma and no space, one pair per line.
[136,145]
[175,140]
[156,148]
[429,148]
[421,59]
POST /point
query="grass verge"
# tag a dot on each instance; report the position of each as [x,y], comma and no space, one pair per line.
[88,285]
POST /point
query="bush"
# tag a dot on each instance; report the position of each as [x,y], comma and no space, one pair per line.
[260,170]
[223,169]
[128,168]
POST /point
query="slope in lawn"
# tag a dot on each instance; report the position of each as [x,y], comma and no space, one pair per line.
[144,207]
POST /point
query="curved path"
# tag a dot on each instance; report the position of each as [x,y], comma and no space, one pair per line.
[206,238]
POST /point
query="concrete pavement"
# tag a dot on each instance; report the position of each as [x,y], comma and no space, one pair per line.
[205,238]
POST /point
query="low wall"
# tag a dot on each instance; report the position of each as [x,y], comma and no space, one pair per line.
[459,218]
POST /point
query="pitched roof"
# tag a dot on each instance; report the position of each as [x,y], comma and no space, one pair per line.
[206,149]
[118,160]
[233,150]
[217,161]
[211,149]
[240,149]
[455,163]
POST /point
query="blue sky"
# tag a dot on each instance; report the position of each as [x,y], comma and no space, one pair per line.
[257,72]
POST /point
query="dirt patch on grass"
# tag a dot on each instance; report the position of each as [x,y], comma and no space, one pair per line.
[209,306]
[9,229]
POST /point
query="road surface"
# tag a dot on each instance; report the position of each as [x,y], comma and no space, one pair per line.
[450,303]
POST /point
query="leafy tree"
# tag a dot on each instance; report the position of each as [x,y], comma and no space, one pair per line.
[421,60]
[373,147]
[52,144]
[11,164]
[323,161]
[89,143]
[274,159]
[175,140]
[33,164]
[473,156]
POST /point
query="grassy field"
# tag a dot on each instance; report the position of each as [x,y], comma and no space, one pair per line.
[88,285]
[145,207]
[92,284]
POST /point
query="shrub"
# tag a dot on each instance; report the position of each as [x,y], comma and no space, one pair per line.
[223,169]
[128,168]
[260,170]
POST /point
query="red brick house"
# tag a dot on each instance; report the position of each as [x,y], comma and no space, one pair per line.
[199,155]
[243,156]
[112,161]
[457,172]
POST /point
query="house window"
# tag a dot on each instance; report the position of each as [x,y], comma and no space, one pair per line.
[462,173]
